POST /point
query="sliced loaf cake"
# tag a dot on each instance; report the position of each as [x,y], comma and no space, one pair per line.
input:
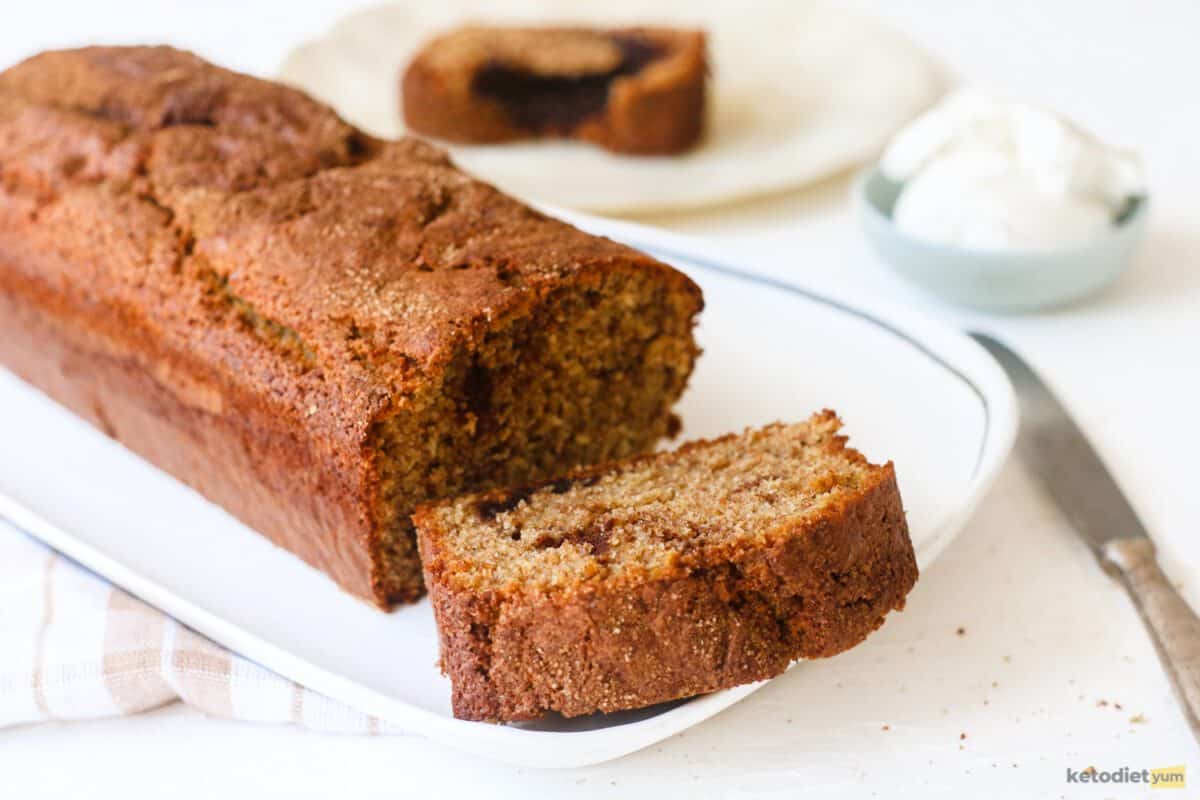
[664,576]
[315,329]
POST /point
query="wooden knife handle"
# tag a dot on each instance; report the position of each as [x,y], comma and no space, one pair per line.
[1173,625]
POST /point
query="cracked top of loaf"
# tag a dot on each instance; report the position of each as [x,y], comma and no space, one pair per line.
[227,200]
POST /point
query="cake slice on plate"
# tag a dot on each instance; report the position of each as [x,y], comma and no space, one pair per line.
[630,90]
[664,576]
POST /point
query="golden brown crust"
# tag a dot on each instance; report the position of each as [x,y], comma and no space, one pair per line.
[239,286]
[809,588]
[630,90]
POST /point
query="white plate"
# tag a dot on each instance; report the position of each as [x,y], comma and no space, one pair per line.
[800,90]
[909,389]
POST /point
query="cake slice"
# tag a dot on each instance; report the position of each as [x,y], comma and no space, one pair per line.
[631,90]
[664,576]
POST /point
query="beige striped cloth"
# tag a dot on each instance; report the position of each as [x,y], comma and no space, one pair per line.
[74,647]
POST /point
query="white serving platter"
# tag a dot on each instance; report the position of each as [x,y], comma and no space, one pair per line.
[910,389]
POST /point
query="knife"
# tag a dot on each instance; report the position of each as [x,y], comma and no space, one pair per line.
[1054,448]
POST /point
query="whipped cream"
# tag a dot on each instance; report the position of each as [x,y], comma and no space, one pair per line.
[983,173]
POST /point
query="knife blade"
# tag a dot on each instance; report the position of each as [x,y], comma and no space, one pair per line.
[1053,447]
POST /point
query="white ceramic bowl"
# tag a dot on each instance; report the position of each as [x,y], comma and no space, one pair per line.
[1005,281]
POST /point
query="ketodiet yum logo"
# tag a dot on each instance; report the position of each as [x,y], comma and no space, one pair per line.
[1160,778]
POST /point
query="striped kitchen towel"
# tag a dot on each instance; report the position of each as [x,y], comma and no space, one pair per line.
[74,647]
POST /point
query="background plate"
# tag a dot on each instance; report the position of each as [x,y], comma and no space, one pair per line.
[909,389]
[817,90]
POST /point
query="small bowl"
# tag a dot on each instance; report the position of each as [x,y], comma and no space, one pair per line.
[1006,281]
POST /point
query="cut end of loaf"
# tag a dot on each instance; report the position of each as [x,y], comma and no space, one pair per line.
[589,375]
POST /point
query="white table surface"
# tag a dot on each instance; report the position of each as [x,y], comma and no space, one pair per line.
[1047,636]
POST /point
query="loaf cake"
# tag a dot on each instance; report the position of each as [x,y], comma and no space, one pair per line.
[664,576]
[630,90]
[315,329]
